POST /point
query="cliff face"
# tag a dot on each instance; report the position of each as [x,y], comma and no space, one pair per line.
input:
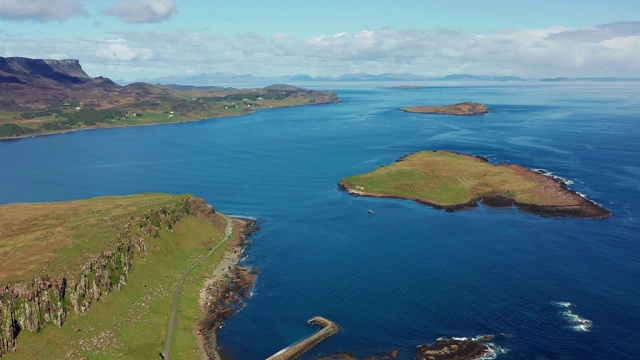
[64,71]
[35,84]
[47,299]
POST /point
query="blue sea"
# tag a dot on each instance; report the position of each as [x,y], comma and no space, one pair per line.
[407,274]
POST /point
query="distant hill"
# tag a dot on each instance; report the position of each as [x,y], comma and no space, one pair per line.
[560,79]
[466,77]
[232,78]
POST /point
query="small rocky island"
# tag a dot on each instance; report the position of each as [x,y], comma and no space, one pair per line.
[407,87]
[457,349]
[463,108]
[452,181]
[465,348]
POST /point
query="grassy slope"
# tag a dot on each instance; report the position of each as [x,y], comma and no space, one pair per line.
[133,322]
[56,236]
[446,179]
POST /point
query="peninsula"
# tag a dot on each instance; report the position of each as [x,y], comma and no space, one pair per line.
[41,96]
[97,278]
[463,108]
[452,181]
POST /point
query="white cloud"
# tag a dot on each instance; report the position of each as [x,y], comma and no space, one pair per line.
[119,50]
[521,52]
[598,33]
[40,10]
[143,11]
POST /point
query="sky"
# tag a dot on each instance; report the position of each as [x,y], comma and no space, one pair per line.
[136,39]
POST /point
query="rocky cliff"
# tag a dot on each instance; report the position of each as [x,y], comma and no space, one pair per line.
[33,84]
[64,71]
[47,299]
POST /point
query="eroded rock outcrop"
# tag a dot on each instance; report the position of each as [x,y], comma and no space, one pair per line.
[458,349]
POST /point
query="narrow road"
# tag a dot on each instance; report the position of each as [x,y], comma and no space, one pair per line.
[228,230]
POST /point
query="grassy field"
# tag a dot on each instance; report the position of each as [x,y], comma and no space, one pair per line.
[131,323]
[451,180]
[55,237]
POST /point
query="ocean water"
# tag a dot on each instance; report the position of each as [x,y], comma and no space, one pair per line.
[407,274]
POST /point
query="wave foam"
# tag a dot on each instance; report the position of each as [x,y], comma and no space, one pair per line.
[492,351]
[557,178]
[578,323]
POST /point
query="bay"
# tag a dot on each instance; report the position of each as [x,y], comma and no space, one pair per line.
[406,274]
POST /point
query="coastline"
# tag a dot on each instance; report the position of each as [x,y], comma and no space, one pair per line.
[223,292]
[496,201]
[117,126]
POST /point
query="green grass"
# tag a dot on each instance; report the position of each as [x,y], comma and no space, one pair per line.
[132,323]
[448,179]
[55,237]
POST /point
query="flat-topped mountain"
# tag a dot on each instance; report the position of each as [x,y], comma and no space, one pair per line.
[45,96]
[38,84]
[25,69]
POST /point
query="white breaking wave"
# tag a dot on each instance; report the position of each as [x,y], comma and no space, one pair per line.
[492,352]
[577,322]
[554,177]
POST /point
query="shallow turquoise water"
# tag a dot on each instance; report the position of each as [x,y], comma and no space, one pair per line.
[407,274]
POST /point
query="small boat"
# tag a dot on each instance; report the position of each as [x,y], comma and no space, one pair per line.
[370,211]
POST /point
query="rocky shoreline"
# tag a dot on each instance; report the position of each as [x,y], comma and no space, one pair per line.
[465,348]
[458,349]
[223,294]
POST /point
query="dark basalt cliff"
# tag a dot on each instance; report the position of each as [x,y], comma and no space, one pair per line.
[64,71]
[49,298]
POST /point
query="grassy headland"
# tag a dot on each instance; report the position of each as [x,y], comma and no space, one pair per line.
[452,181]
[130,252]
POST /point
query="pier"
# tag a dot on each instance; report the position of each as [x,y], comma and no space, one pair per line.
[293,351]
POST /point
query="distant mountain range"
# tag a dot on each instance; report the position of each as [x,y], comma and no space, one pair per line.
[558,79]
[233,78]
[229,78]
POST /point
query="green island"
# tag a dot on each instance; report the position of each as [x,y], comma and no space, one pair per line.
[39,96]
[463,108]
[97,278]
[453,181]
